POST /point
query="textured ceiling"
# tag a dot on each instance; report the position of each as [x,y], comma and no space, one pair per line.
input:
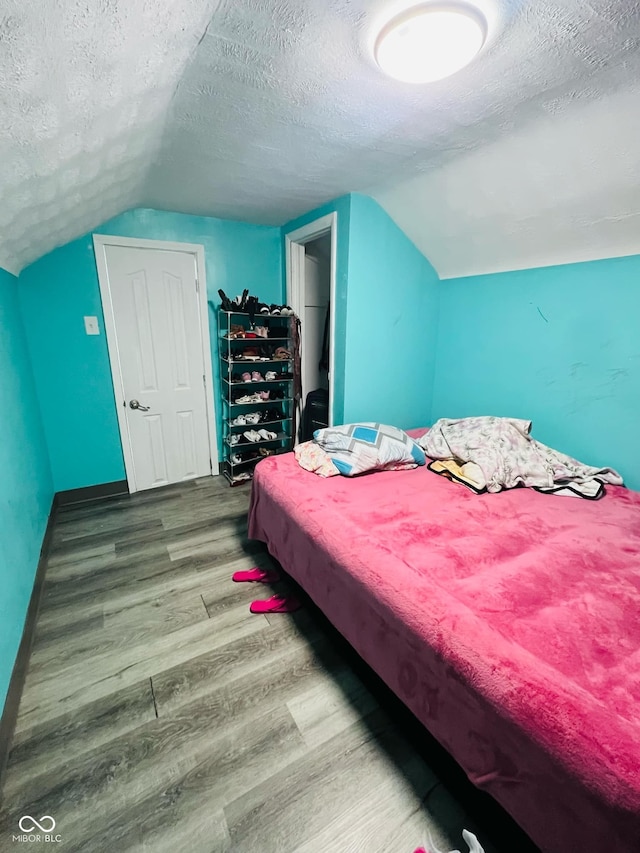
[85,87]
[259,110]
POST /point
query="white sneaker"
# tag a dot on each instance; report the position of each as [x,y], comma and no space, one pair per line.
[252,435]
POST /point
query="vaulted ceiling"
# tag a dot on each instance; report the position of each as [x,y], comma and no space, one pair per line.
[259,110]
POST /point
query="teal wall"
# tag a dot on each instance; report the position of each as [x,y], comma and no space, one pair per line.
[342,208]
[26,488]
[72,369]
[392,305]
[385,316]
[558,345]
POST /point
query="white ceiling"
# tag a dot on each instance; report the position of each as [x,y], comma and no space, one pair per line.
[259,110]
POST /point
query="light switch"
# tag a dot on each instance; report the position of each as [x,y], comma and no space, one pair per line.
[91,326]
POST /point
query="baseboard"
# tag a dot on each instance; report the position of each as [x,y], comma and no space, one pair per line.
[92,493]
[18,675]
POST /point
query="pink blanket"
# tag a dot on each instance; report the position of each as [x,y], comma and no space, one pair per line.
[508,623]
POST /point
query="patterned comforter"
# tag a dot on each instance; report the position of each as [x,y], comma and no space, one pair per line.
[507,456]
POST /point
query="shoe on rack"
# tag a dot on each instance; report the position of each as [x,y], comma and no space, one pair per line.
[286,311]
[273,415]
[257,377]
[266,435]
[239,421]
[252,418]
[239,303]
[236,458]
[252,435]
[265,395]
[274,310]
[271,376]
[225,301]
[234,439]
[252,307]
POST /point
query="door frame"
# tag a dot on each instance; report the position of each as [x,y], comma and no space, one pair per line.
[295,242]
[100,243]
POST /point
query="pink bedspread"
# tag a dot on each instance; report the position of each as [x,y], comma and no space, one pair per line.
[509,624]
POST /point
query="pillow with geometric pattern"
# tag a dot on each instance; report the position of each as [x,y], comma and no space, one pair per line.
[363,447]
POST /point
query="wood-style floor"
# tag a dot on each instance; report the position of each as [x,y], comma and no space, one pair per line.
[160,715]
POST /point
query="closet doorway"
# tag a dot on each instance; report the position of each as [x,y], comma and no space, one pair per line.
[311,276]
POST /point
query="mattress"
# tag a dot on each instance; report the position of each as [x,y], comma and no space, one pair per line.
[509,624]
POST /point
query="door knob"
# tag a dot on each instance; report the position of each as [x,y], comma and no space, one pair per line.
[134,404]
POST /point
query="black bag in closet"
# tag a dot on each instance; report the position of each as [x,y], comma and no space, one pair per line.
[316,413]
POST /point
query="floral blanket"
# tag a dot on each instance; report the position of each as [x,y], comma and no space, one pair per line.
[312,457]
[507,456]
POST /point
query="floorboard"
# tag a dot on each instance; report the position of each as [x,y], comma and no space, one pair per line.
[159,714]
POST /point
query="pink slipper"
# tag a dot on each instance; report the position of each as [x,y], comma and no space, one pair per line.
[256,574]
[276,604]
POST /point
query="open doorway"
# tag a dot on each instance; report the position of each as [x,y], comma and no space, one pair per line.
[311,274]
[315,315]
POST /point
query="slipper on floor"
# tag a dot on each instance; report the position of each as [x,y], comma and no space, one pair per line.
[256,574]
[276,604]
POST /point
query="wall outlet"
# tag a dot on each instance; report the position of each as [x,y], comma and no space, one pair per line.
[91,326]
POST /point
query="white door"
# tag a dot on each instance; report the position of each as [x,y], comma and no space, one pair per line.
[156,318]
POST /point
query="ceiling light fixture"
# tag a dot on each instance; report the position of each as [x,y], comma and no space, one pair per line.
[430,41]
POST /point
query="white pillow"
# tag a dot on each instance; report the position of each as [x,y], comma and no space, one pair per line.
[358,448]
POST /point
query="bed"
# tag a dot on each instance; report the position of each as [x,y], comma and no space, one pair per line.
[509,624]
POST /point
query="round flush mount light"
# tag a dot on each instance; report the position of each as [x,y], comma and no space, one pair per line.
[430,41]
